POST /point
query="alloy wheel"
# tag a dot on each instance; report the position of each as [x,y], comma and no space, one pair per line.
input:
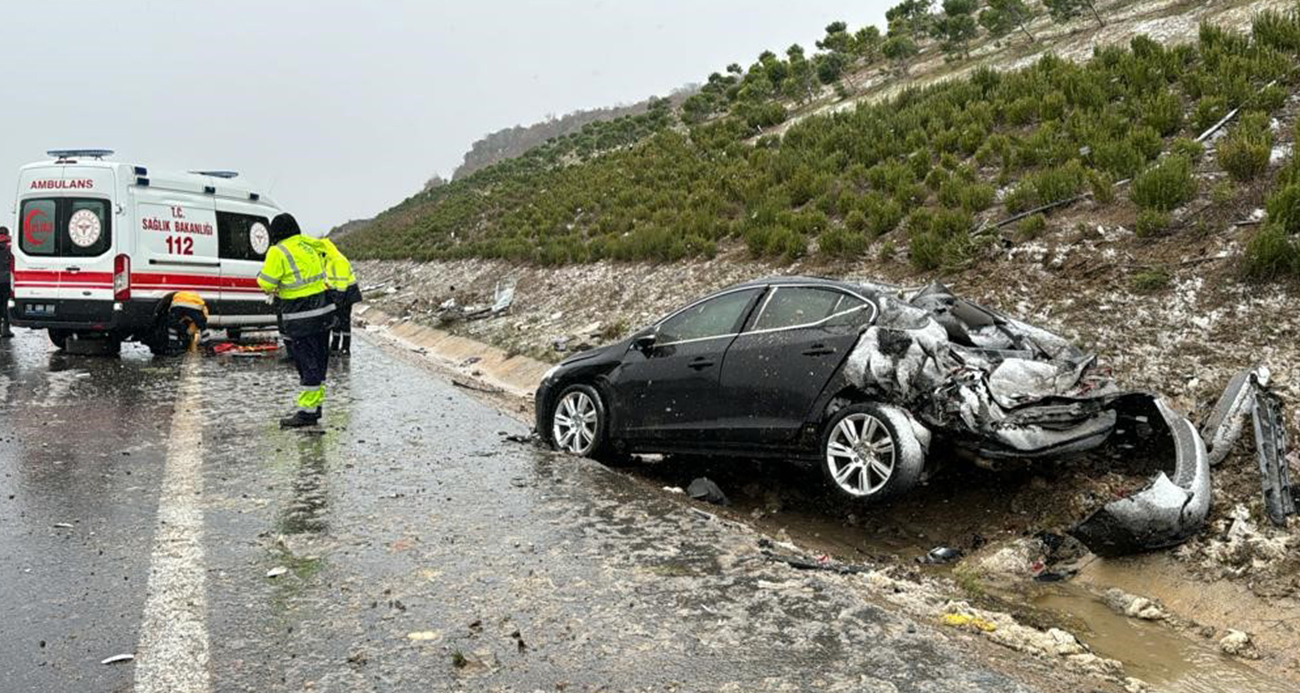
[574,423]
[860,454]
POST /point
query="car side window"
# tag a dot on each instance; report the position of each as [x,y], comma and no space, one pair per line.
[800,305]
[713,318]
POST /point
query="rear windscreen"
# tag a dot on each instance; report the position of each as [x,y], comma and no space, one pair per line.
[65,227]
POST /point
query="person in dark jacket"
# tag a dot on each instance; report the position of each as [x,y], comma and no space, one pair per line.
[294,273]
[6,272]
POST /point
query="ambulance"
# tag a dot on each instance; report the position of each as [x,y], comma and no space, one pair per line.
[100,247]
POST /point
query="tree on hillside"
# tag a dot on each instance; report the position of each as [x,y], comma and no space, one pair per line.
[956,26]
[838,39]
[899,50]
[866,43]
[801,82]
[1004,16]
[910,17]
[1063,11]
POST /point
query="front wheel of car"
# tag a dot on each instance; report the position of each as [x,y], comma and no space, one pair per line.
[578,421]
[870,453]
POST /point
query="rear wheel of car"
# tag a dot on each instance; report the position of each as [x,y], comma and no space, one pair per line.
[870,453]
[578,421]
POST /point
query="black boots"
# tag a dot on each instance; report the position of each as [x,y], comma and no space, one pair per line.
[301,418]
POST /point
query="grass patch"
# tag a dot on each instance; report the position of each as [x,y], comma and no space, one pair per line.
[1151,222]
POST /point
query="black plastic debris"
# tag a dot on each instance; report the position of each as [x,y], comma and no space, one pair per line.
[1271,444]
[704,489]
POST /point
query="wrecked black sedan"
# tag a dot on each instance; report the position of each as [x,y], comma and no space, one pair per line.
[862,380]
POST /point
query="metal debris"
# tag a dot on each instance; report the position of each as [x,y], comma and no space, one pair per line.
[118,659]
[704,489]
[1271,445]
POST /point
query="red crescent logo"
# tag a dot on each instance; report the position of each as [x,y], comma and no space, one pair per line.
[27,227]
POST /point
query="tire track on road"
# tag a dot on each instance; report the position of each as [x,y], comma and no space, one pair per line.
[173,651]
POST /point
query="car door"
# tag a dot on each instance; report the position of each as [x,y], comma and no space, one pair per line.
[779,364]
[669,391]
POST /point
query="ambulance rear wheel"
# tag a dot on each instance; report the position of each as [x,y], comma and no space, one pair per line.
[60,337]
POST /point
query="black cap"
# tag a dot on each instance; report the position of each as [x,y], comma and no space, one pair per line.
[283,226]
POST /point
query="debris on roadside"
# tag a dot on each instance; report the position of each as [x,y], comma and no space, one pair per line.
[423,635]
[118,659]
[940,555]
[62,525]
[276,571]
[1249,394]
[1238,644]
[1133,606]
[704,489]
[487,389]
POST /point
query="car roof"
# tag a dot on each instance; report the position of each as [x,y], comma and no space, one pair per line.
[785,280]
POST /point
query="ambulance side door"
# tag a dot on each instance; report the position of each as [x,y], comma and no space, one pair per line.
[177,244]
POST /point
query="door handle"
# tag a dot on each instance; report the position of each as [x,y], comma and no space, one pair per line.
[72,269]
[700,363]
[818,350]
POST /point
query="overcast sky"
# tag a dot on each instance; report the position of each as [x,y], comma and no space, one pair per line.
[340,109]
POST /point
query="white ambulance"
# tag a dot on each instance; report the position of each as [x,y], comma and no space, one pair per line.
[99,247]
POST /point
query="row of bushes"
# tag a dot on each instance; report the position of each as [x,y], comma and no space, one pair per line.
[923,164]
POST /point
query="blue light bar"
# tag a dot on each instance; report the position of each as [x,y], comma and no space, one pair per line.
[69,153]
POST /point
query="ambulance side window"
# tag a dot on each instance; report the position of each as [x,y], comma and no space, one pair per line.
[242,236]
[36,227]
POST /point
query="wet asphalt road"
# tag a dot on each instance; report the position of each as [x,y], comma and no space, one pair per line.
[143,502]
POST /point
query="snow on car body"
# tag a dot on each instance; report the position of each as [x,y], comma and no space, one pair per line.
[100,246]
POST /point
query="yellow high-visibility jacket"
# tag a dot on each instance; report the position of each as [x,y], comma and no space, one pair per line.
[295,273]
[338,269]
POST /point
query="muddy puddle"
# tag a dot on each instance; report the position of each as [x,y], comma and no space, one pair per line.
[1169,661]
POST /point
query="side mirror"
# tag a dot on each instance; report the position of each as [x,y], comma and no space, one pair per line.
[644,343]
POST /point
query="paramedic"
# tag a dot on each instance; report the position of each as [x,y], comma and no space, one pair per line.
[295,275]
[347,293]
[187,318]
[6,268]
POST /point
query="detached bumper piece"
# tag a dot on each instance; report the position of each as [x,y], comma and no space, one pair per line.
[1169,509]
[1270,442]
[1248,395]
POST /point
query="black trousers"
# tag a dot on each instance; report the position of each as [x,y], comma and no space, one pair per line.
[4,305]
[341,336]
[310,355]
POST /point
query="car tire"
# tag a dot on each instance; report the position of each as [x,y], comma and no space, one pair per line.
[578,421]
[59,337]
[869,452]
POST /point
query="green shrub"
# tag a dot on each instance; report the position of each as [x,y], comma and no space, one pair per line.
[1151,222]
[1165,186]
[1163,113]
[1058,183]
[1119,158]
[856,221]
[1147,141]
[1271,98]
[1021,198]
[1223,192]
[1271,253]
[1244,153]
[842,243]
[1150,280]
[1031,227]
[939,239]
[887,251]
[972,197]
[1283,207]
[1102,186]
[1280,31]
[1209,110]
[1187,147]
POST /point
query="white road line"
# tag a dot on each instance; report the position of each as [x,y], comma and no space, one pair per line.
[172,656]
